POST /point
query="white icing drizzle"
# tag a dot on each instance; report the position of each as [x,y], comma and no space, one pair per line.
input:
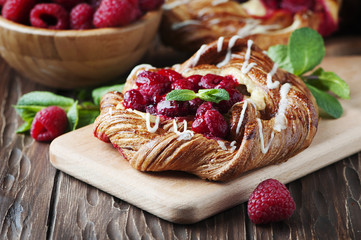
[222,145]
[217,2]
[253,26]
[198,55]
[279,123]
[110,111]
[176,26]
[233,146]
[231,43]
[241,117]
[147,122]
[174,4]
[220,44]
[136,68]
[264,148]
[270,84]
[246,66]
[186,134]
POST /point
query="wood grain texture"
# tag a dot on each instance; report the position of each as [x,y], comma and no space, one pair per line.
[183,198]
[328,201]
[72,58]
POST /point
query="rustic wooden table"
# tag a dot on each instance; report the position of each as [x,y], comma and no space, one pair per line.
[39,202]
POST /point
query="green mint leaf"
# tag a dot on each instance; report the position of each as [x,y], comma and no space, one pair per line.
[213,95]
[25,126]
[45,99]
[98,93]
[305,50]
[326,102]
[73,116]
[329,81]
[87,117]
[180,95]
[279,54]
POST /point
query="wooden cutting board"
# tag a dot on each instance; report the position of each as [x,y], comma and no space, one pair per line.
[182,198]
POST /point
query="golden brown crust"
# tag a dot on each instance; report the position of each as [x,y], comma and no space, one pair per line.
[186,25]
[283,118]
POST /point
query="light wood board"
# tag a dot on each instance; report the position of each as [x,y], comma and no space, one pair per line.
[182,198]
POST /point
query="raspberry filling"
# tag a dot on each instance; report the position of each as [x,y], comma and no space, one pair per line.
[208,117]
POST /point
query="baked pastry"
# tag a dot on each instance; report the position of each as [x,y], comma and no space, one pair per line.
[187,24]
[269,117]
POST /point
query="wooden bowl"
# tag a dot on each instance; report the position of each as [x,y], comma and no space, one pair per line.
[69,59]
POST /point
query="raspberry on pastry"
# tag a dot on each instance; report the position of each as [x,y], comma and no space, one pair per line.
[261,123]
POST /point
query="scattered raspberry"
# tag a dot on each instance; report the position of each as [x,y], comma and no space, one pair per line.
[113,13]
[270,202]
[170,74]
[149,5]
[68,4]
[48,124]
[17,10]
[81,17]
[134,99]
[49,15]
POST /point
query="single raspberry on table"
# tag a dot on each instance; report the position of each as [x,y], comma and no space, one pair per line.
[270,202]
[81,17]
[68,4]
[48,124]
[17,10]
[115,13]
[49,15]
[149,5]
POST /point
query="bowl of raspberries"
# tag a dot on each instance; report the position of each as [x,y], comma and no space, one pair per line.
[70,44]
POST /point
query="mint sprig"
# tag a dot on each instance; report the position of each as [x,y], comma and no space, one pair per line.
[305,50]
[209,95]
[79,114]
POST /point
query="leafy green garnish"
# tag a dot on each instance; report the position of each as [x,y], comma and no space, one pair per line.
[98,93]
[209,95]
[305,50]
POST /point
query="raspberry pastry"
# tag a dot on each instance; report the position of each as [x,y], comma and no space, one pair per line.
[268,117]
[188,24]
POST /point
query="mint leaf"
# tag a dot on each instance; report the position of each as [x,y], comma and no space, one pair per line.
[73,116]
[45,99]
[98,93]
[279,54]
[305,50]
[180,95]
[87,116]
[329,81]
[213,95]
[26,126]
[327,102]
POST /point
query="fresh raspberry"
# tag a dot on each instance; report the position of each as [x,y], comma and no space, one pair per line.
[81,17]
[195,79]
[194,105]
[216,123]
[17,10]
[270,202]
[297,5]
[149,5]
[225,105]
[95,3]
[200,126]
[228,82]
[68,4]
[170,74]
[203,108]
[114,13]
[2,2]
[210,81]
[183,84]
[49,15]
[152,85]
[134,99]
[48,124]
[172,108]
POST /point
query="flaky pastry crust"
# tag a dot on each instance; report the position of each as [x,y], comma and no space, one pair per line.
[187,24]
[272,124]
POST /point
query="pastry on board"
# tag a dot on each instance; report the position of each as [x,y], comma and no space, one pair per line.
[269,117]
[187,24]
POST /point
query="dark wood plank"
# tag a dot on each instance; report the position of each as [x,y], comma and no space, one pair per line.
[26,176]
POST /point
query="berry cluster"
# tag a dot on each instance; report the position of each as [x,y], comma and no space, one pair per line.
[153,86]
[76,14]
